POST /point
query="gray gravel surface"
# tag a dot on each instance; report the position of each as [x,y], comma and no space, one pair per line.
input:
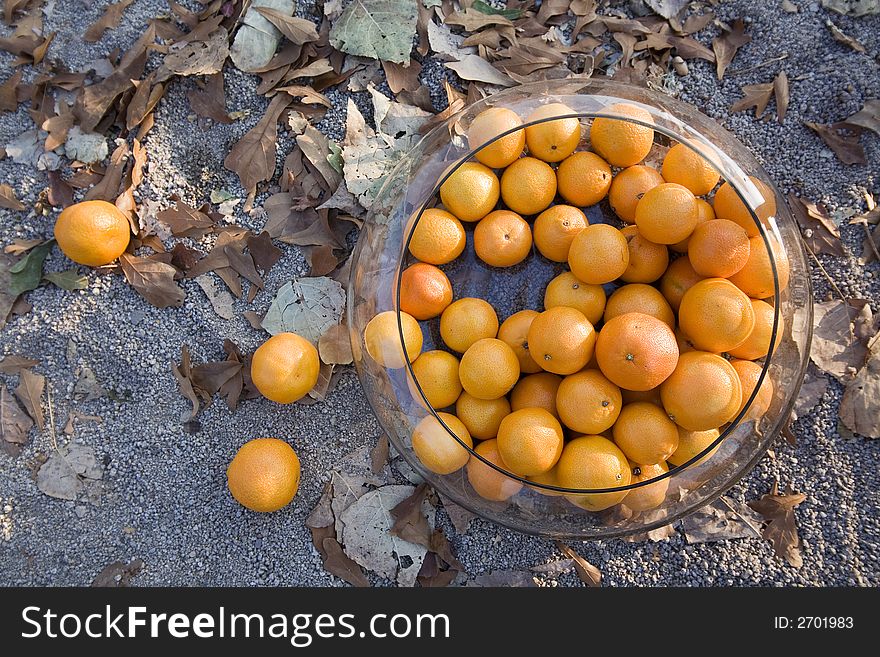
[165,499]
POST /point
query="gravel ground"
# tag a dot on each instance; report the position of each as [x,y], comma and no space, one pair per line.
[165,498]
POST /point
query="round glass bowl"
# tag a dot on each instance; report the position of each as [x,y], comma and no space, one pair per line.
[397,399]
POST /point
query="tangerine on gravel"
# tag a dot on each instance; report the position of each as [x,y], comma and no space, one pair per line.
[502,239]
[686,167]
[530,441]
[757,345]
[716,315]
[593,462]
[555,229]
[650,496]
[756,277]
[639,298]
[552,141]
[628,187]
[647,260]
[567,290]
[636,351]
[704,213]
[583,179]
[467,320]
[471,192]
[702,393]
[437,375]
[514,331]
[678,279]
[486,126]
[438,238]
[599,254]
[691,443]
[645,433]
[436,449]
[425,291]
[264,474]
[382,339]
[748,373]
[486,480]
[482,417]
[622,143]
[561,340]
[528,186]
[488,369]
[587,402]
[728,205]
[667,213]
[536,391]
[92,233]
[285,367]
[718,248]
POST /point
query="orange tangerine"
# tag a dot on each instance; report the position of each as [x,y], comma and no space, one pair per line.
[718,248]
[438,238]
[552,141]
[528,186]
[436,449]
[704,213]
[561,340]
[636,351]
[425,291]
[728,205]
[628,187]
[555,230]
[487,481]
[667,213]
[502,239]
[583,179]
[756,277]
[515,331]
[489,124]
[567,290]
[749,373]
[530,441]
[678,279]
[536,391]
[465,321]
[382,339]
[757,345]
[703,392]
[645,433]
[593,462]
[620,142]
[639,298]
[716,315]
[587,402]
[687,167]
[488,369]
[647,260]
[598,254]
[482,417]
[650,496]
[471,192]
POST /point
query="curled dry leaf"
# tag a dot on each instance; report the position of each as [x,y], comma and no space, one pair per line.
[868,117]
[335,345]
[210,101]
[14,423]
[781,93]
[295,30]
[588,573]
[474,67]
[253,156]
[378,29]
[196,57]
[186,221]
[15,364]
[109,19]
[30,393]
[817,228]
[153,280]
[860,405]
[781,527]
[727,43]
[754,95]
[835,348]
[9,92]
[8,199]
[221,300]
[722,520]
[118,574]
[379,455]
[256,39]
[842,139]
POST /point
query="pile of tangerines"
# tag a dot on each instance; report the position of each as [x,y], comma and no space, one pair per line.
[592,391]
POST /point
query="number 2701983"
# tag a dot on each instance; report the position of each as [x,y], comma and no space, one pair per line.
[813,623]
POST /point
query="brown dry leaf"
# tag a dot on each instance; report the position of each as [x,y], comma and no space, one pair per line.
[781,527]
[379,455]
[60,193]
[17,247]
[109,187]
[860,405]
[841,37]
[153,280]
[410,523]
[868,117]
[210,100]
[296,30]
[316,147]
[15,364]
[402,78]
[338,563]
[335,345]
[781,92]
[182,374]
[186,221]
[58,127]
[264,253]
[109,19]
[754,95]
[253,156]
[9,92]
[14,423]
[474,67]
[842,139]
[589,574]
[204,56]
[697,22]
[8,199]
[147,95]
[118,574]
[431,576]
[817,228]
[726,44]
[472,20]
[835,348]
[30,393]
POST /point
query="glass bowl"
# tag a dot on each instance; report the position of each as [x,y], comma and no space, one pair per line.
[400,404]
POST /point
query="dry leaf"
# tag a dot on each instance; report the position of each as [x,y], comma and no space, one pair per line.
[196,57]
[9,92]
[8,199]
[264,253]
[14,364]
[153,280]
[182,374]
[109,187]
[505,579]
[335,345]
[186,221]
[253,156]
[781,527]
[307,307]
[868,117]
[410,523]
[474,67]
[667,8]
[842,139]
[588,573]
[14,423]
[722,520]
[378,29]
[403,78]
[754,95]
[472,20]
[853,7]
[30,393]
[109,19]
[780,91]
[818,229]
[118,574]
[841,37]
[379,455]
[336,562]
[834,348]
[221,300]
[726,44]
[210,101]
[295,30]
[256,39]
[860,405]
[69,471]
[60,193]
